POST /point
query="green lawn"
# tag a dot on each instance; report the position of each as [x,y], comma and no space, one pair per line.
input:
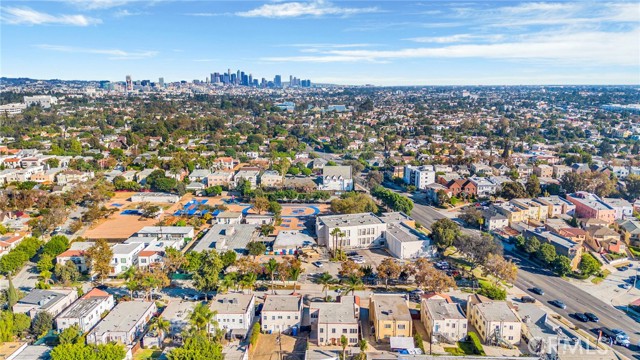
[598,279]
[454,351]
[147,354]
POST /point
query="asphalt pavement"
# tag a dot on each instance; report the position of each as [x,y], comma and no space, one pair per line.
[577,300]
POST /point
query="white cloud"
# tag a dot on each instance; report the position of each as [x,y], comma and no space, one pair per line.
[457,38]
[581,48]
[113,54]
[98,4]
[28,16]
[296,9]
[126,13]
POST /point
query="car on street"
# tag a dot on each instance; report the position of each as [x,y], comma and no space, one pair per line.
[527,299]
[317,264]
[591,317]
[558,303]
[582,317]
[358,261]
[537,290]
[623,268]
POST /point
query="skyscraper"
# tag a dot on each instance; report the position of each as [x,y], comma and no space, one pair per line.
[129,83]
[277,81]
[161,82]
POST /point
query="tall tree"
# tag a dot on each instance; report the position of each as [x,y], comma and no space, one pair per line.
[344,342]
[260,204]
[99,257]
[325,279]
[500,268]
[271,268]
[351,284]
[430,279]
[444,232]
[533,186]
[12,295]
[207,276]
[388,269]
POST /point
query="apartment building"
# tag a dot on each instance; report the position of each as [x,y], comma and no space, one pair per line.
[330,321]
[220,178]
[590,206]
[86,312]
[124,324]
[180,233]
[443,320]
[494,321]
[557,205]
[248,174]
[51,301]
[543,171]
[419,177]
[271,178]
[336,178]
[358,231]
[623,208]
[233,311]
[484,187]
[76,254]
[281,313]
[390,317]
[124,257]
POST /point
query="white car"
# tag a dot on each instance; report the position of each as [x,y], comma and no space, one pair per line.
[359,261]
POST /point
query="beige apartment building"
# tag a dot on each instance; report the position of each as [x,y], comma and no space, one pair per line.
[444,321]
[220,178]
[494,321]
[390,317]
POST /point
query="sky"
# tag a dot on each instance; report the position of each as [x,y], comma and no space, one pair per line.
[427,42]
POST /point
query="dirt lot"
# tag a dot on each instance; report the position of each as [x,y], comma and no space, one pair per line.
[267,347]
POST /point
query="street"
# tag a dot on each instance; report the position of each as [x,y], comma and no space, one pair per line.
[577,300]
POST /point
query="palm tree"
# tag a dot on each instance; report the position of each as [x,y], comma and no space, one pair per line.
[201,317]
[129,274]
[352,284]
[271,267]
[294,273]
[325,280]
[150,282]
[335,233]
[248,281]
[344,342]
[363,348]
[160,325]
[228,282]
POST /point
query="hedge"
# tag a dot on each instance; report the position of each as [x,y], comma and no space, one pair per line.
[477,344]
[255,333]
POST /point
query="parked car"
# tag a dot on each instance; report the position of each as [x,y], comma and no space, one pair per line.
[527,299]
[623,268]
[538,291]
[558,303]
[582,317]
[358,261]
[591,317]
[317,264]
[615,336]
[625,286]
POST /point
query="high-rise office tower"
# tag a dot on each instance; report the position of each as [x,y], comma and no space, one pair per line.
[250,80]
[129,83]
[161,82]
[233,79]
[277,81]
[238,77]
[212,78]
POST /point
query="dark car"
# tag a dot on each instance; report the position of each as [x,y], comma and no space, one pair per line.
[623,268]
[558,303]
[582,317]
[591,317]
[527,299]
[538,291]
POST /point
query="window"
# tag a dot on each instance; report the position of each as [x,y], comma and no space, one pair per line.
[510,337]
[280,317]
[353,331]
[387,326]
[321,330]
[321,340]
[344,331]
[401,327]
[453,326]
[353,340]
[510,327]
[123,260]
[273,317]
[265,317]
[288,317]
[240,321]
[296,317]
[333,331]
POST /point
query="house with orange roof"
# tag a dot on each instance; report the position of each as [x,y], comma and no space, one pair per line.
[10,241]
[148,258]
[76,254]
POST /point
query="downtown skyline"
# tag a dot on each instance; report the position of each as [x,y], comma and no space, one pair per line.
[347,43]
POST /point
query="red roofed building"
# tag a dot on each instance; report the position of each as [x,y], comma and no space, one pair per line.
[149,257]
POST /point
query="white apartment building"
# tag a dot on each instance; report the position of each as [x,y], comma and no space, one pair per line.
[51,301]
[444,321]
[124,257]
[329,321]
[45,101]
[336,178]
[271,178]
[233,311]
[76,254]
[419,177]
[249,174]
[404,242]
[358,231]
[124,324]
[484,186]
[179,233]
[494,321]
[281,313]
[220,178]
[86,312]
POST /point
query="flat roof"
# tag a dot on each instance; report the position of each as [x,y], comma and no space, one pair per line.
[165,230]
[335,313]
[497,311]
[333,221]
[231,303]
[443,310]
[47,297]
[178,310]
[282,303]
[123,317]
[81,307]
[235,236]
[391,307]
[338,170]
[292,238]
[403,233]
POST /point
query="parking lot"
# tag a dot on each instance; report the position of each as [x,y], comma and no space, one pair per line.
[371,257]
[611,289]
